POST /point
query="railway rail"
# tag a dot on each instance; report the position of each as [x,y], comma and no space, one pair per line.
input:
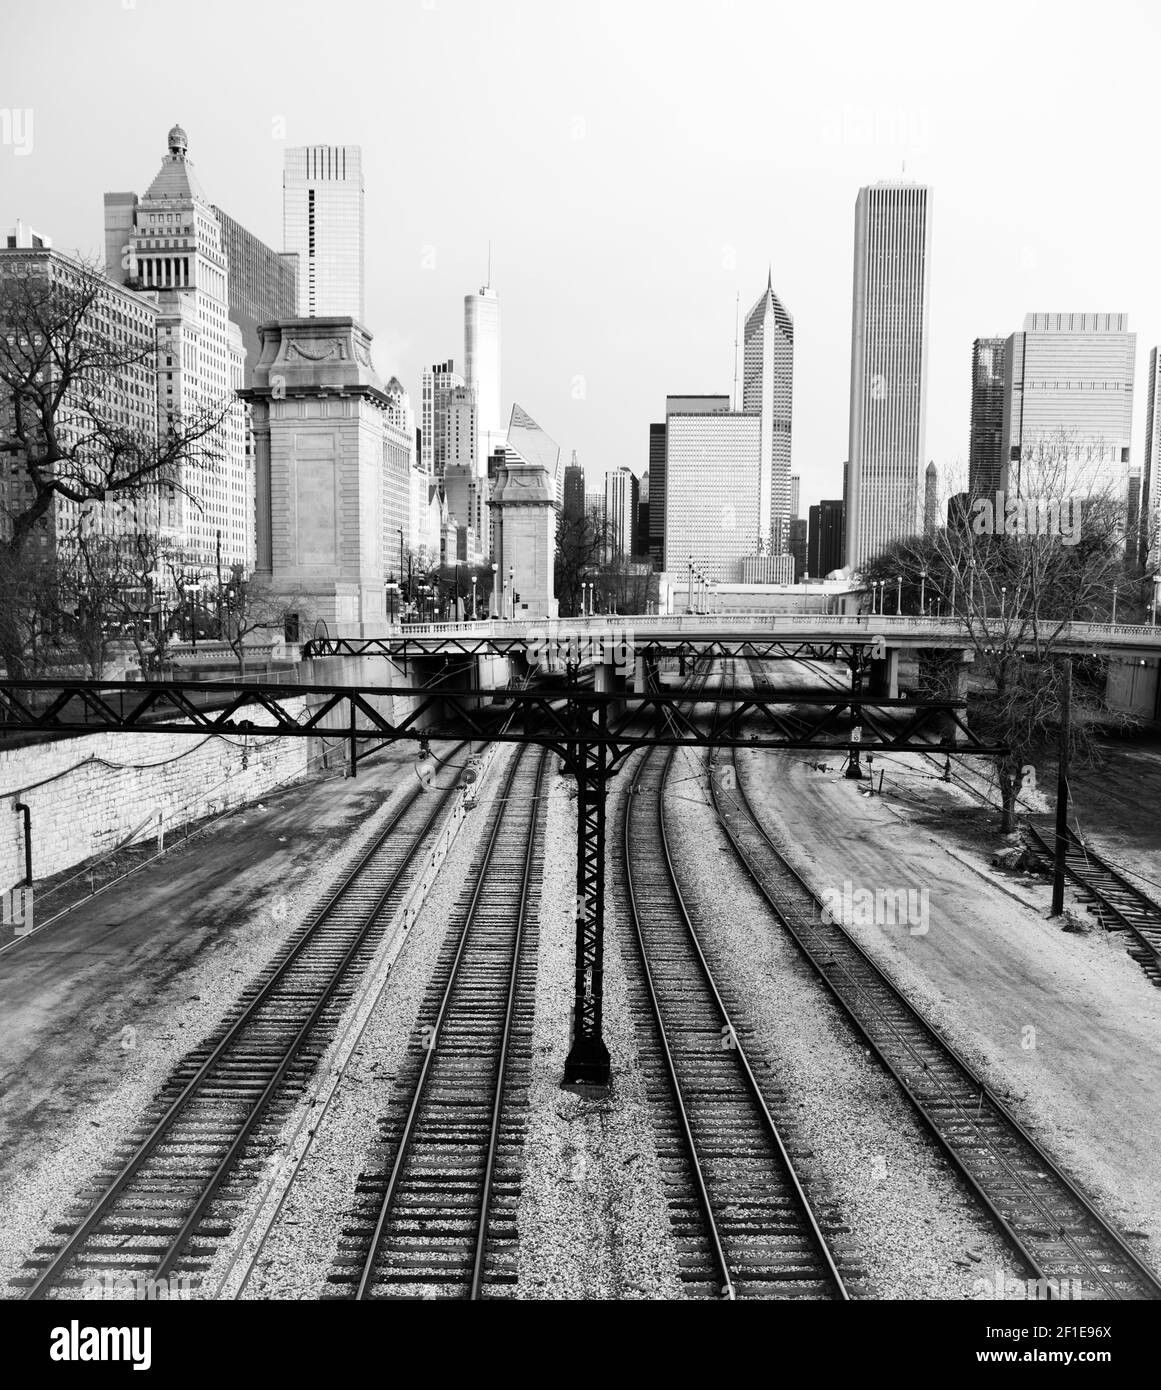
[177,1181]
[435,1215]
[739,1207]
[1116,903]
[1053,1225]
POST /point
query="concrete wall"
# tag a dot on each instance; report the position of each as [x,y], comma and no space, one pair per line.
[88,794]
[1132,686]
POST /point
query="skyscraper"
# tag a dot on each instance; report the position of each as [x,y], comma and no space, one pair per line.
[1150,540]
[482,369]
[986,453]
[622,493]
[824,549]
[170,243]
[711,500]
[795,494]
[574,490]
[322,218]
[656,538]
[889,352]
[262,284]
[1068,404]
[768,391]
[436,387]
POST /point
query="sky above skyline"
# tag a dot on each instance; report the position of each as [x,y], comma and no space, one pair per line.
[636,167]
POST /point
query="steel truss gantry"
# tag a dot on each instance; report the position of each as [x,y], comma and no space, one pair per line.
[593,733]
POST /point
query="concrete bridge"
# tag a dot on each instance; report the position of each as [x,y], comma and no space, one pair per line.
[625,644]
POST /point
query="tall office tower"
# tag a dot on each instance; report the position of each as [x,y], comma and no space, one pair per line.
[169,244]
[768,391]
[796,546]
[123,398]
[712,513]
[1149,544]
[824,545]
[437,387]
[889,351]
[595,505]
[931,500]
[795,493]
[263,284]
[622,494]
[656,536]
[1068,405]
[986,453]
[464,487]
[643,516]
[574,490]
[482,369]
[322,223]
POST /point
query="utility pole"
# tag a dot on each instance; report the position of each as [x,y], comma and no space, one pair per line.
[1062,789]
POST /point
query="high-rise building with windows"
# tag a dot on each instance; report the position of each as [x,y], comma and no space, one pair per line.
[889,352]
[986,452]
[768,391]
[482,369]
[574,489]
[795,494]
[1149,543]
[622,494]
[262,284]
[824,545]
[169,244]
[711,492]
[437,387]
[125,398]
[322,219]
[656,538]
[1068,404]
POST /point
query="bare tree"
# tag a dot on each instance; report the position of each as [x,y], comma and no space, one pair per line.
[1015,577]
[66,372]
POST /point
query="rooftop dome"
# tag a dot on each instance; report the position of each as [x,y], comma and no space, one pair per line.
[178,143]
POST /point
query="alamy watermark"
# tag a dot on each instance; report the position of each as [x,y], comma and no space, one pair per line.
[880,907]
[608,646]
[16,129]
[1028,516]
[141,1286]
[1035,1290]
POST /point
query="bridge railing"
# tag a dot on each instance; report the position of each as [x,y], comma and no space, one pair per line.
[768,623]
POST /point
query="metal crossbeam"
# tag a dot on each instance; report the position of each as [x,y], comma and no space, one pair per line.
[751,718]
[460,645]
[593,732]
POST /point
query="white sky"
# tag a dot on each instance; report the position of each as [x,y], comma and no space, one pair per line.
[636,166]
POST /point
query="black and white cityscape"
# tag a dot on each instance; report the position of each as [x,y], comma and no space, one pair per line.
[580,674]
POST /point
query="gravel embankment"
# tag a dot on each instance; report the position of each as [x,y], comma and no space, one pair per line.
[593,1216]
[919,1231]
[125,1055]
[303,1241]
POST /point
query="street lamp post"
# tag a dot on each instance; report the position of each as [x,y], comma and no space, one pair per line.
[1114,605]
[1003,600]
[475,610]
[689,583]
[922,593]
[898,595]
[495,569]
[512,592]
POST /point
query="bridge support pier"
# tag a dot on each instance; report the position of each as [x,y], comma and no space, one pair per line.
[883,675]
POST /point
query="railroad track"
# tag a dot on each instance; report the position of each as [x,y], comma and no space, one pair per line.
[435,1216]
[740,1211]
[1053,1225]
[1116,903]
[178,1180]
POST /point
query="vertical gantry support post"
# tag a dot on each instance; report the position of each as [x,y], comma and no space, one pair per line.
[854,770]
[588,1057]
